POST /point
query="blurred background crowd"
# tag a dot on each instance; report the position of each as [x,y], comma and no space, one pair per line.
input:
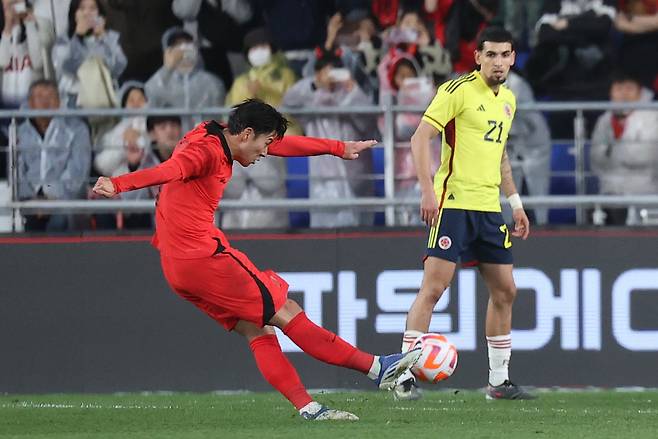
[197,54]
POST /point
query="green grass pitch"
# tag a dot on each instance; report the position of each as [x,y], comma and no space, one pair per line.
[441,414]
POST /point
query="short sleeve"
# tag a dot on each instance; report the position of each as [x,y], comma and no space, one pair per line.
[445,106]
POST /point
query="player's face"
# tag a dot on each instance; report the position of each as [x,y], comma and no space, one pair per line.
[495,60]
[254,146]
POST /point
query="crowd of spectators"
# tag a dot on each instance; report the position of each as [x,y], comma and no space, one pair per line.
[196,54]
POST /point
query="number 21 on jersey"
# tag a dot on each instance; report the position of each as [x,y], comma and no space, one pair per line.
[495,131]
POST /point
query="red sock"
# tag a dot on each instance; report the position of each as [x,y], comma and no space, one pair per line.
[325,345]
[278,371]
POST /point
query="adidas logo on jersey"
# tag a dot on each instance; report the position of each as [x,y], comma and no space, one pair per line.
[481,108]
[451,197]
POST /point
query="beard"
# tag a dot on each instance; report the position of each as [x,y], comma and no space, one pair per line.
[495,79]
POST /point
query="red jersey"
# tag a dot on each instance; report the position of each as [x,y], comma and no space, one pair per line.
[194,179]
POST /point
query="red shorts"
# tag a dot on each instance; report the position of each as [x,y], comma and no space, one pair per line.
[227,286]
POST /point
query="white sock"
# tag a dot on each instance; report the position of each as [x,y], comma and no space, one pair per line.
[312,407]
[408,339]
[500,351]
[373,373]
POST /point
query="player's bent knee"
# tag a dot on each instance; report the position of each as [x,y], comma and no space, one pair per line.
[433,292]
[251,331]
[292,307]
[286,313]
[504,296]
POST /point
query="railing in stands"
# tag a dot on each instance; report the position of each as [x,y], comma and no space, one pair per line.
[388,203]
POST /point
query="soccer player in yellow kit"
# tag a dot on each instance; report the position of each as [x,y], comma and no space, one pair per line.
[462,203]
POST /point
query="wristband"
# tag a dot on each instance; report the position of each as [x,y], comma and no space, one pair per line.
[515,201]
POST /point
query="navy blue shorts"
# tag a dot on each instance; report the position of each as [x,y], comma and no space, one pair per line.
[471,237]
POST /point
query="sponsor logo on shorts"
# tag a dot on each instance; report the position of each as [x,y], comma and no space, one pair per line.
[445,242]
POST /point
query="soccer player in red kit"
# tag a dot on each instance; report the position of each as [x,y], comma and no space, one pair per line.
[201,266]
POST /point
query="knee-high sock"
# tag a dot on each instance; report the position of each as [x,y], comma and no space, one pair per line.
[326,346]
[278,371]
[499,348]
[408,339]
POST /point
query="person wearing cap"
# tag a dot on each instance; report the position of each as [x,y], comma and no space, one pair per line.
[182,82]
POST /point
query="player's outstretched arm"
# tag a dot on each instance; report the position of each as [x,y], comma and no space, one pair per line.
[302,146]
[165,172]
[521,222]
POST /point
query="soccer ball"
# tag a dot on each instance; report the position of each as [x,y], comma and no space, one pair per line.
[438,358]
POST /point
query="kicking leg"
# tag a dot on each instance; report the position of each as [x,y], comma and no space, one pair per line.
[281,374]
[328,347]
[502,292]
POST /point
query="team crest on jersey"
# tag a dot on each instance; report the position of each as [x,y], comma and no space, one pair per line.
[445,242]
[507,108]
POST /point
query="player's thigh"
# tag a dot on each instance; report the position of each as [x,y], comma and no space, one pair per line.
[225,317]
[493,244]
[228,287]
[499,281]
[251,331]
[437,275]
[451,235]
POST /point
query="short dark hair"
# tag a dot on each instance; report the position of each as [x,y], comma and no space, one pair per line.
[42,83]
[494,34]
[259,116]
[152,121]
[624,76]
[128,90]
[73,8]
[177,35]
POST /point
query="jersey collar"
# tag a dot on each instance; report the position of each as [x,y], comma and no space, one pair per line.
[215,129]
[483,84]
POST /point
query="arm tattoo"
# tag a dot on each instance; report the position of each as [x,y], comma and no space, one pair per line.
[506,178]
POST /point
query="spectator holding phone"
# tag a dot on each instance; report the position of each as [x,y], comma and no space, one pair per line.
[182,82]
[89,61]
[333,86]
[24,51]
[402,79]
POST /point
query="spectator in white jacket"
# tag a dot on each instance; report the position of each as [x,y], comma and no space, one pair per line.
[181,82]
[332,85]
[24,51]
[111,155]
[88,41]
[54,157]
[624,152]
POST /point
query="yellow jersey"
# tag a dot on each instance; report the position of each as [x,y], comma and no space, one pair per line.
[474,122]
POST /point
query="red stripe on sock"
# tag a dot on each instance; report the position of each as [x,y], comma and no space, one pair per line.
[326,346]
[278,371]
